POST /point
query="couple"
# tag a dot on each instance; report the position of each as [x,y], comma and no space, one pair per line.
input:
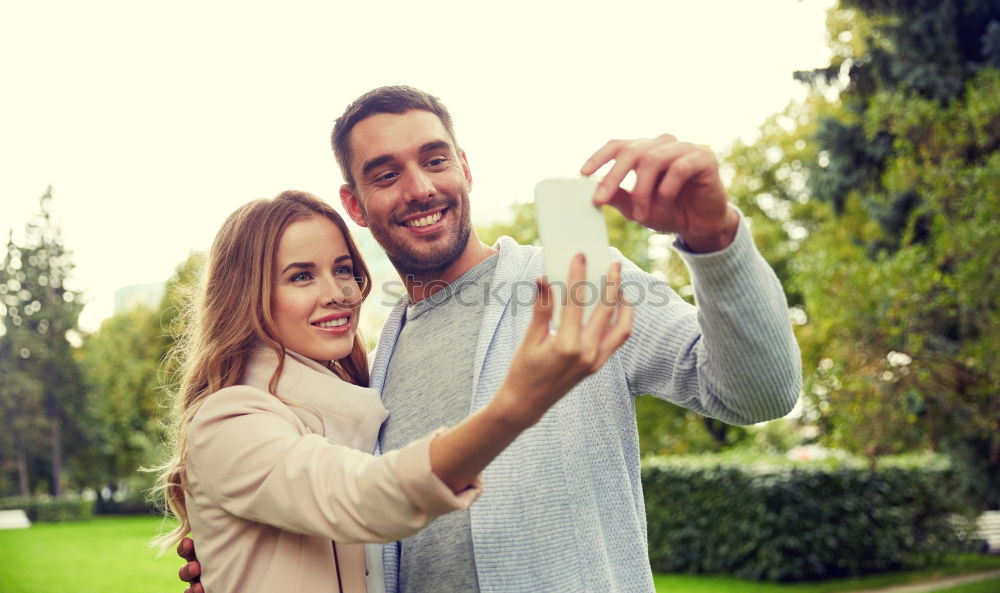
[276,422]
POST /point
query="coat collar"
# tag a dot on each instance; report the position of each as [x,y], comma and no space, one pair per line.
[344,413]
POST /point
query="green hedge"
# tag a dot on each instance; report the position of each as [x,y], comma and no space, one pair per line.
[53,510]
[797,522]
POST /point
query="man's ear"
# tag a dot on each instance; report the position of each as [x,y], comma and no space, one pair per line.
[466,169]
[351,204]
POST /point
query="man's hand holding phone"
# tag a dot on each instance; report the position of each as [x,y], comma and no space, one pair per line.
[677,189]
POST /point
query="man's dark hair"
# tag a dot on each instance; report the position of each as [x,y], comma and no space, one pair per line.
[387,99]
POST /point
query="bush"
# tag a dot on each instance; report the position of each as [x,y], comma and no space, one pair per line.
[134,505]
[786,521]
[51,510]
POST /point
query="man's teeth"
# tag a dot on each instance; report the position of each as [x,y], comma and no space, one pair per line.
[333,322]
[424,221]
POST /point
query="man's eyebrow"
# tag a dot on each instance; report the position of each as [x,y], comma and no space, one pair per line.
[298,264]
[435,145]
[375,162]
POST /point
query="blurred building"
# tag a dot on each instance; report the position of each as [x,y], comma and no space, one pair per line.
[148,295]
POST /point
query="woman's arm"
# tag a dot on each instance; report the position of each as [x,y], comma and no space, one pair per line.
[246,455]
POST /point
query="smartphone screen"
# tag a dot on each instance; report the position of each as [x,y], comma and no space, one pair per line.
[569,223]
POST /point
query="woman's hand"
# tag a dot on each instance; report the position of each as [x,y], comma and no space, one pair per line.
[548,364]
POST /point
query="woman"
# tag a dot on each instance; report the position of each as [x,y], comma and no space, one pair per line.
[271,469]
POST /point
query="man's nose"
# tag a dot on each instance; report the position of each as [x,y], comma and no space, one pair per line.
[418,185]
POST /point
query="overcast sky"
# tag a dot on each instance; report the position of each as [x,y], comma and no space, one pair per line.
[153,121]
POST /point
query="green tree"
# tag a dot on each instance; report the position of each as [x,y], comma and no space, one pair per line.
[174,313]
[121,366]
[129,377]
[768,181]
[24,423]
[43,390]
[895,272]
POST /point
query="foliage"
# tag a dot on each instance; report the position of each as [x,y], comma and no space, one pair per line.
[876,200]
[51,510]
[768,181]
[120,363]
[175,312]
[926,48]
[129,379]
[41,396]
[783,522]
[900,353]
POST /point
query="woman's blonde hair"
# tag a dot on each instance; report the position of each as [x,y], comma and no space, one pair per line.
[231,317]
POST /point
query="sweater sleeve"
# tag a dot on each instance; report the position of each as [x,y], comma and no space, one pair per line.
[734,357]
[247,453]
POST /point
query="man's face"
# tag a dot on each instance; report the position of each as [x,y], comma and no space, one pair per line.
[412,190]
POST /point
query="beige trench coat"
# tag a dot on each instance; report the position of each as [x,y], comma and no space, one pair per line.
[270,485]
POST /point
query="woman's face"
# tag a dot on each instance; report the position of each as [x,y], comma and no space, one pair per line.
[315,299]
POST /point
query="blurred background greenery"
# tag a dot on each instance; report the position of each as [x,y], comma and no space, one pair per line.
[876,201]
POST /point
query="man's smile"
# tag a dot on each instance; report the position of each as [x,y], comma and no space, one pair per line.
[428,221]
[424,221]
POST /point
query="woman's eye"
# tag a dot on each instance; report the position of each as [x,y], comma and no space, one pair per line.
[302,277]
[344,271]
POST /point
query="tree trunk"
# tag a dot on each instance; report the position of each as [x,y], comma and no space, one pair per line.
[56,457]
[718,429]
[22,474]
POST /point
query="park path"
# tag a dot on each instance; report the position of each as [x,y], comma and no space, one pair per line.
[937,585]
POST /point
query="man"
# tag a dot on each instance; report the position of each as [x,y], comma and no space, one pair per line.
[562,508]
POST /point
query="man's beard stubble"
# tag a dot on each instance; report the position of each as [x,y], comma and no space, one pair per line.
[415,262]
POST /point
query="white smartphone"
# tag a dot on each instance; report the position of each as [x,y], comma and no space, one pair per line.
[568,224]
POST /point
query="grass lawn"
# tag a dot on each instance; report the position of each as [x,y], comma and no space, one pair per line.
[987,586]
[111,554]
[105,554]
[962,564]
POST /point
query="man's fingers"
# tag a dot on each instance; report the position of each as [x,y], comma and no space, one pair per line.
[623,153]
[622,201]
[190,572]
[684,169]
[185,549]
[602,156]
[626,159]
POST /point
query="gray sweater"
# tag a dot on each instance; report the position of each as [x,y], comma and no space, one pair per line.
[562,507]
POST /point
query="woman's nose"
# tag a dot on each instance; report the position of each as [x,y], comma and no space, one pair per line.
[340,293]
